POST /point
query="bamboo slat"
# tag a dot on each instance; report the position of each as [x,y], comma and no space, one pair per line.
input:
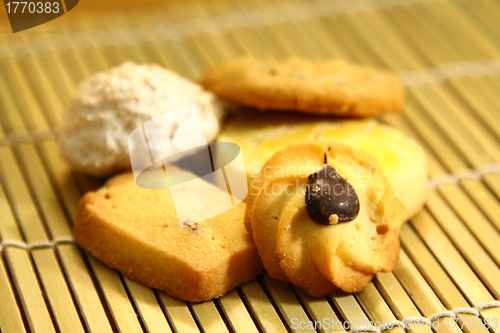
[287,303]
[29,290]
[398,300]
[493,182]
[350,310]
[435,168]
[20,199]
[48,101]
[208,317]
[266,315]
[426,300]
[484,200]
[63,81]
[8,228]
[319,309]
[65,186]
[146,304]
[44,194]
[451,295]
[237,315]
[375,307]
[12,121]
[178,314]
[441,148]
[438,52]
[470,248]
[19,88]
[437,104]
[115,295]
[473,219]
[50,273]
[83,289]
[10,316]
[56,290]
[449,257]
[110,284]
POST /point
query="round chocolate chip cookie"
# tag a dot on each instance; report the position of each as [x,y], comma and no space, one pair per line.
[333,87]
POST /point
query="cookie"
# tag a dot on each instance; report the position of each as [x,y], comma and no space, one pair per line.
[108,106]
[347,251]
[334,87]
[137,232]
[401,159]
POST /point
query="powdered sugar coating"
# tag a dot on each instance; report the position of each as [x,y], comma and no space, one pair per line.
[109,105]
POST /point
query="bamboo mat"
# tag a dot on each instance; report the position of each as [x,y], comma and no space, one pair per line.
[446,52]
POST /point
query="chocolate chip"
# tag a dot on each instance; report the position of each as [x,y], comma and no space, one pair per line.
[272,71]
[330,199]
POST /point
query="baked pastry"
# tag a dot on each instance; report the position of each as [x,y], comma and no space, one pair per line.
[401,159]
[109,105]
[136,231]
[334,87]
[324,217]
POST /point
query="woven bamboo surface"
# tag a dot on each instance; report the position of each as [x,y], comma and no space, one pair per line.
[446,52]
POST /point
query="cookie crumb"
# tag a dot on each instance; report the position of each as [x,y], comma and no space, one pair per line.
[174,128]
[192,225]
[382,229]
[334,219]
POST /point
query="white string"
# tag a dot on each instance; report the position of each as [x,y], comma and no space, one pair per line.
[286,12]
[455,178]
[388,325]
[443,314]
[406,322]
[470,311]
[487,305]
[28,136]
[451,70]
[35,245]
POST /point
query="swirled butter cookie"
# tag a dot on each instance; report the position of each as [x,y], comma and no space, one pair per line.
[324,217]
[401,158]
[334,87]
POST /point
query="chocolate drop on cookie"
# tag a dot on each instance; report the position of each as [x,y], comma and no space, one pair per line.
[330,199]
